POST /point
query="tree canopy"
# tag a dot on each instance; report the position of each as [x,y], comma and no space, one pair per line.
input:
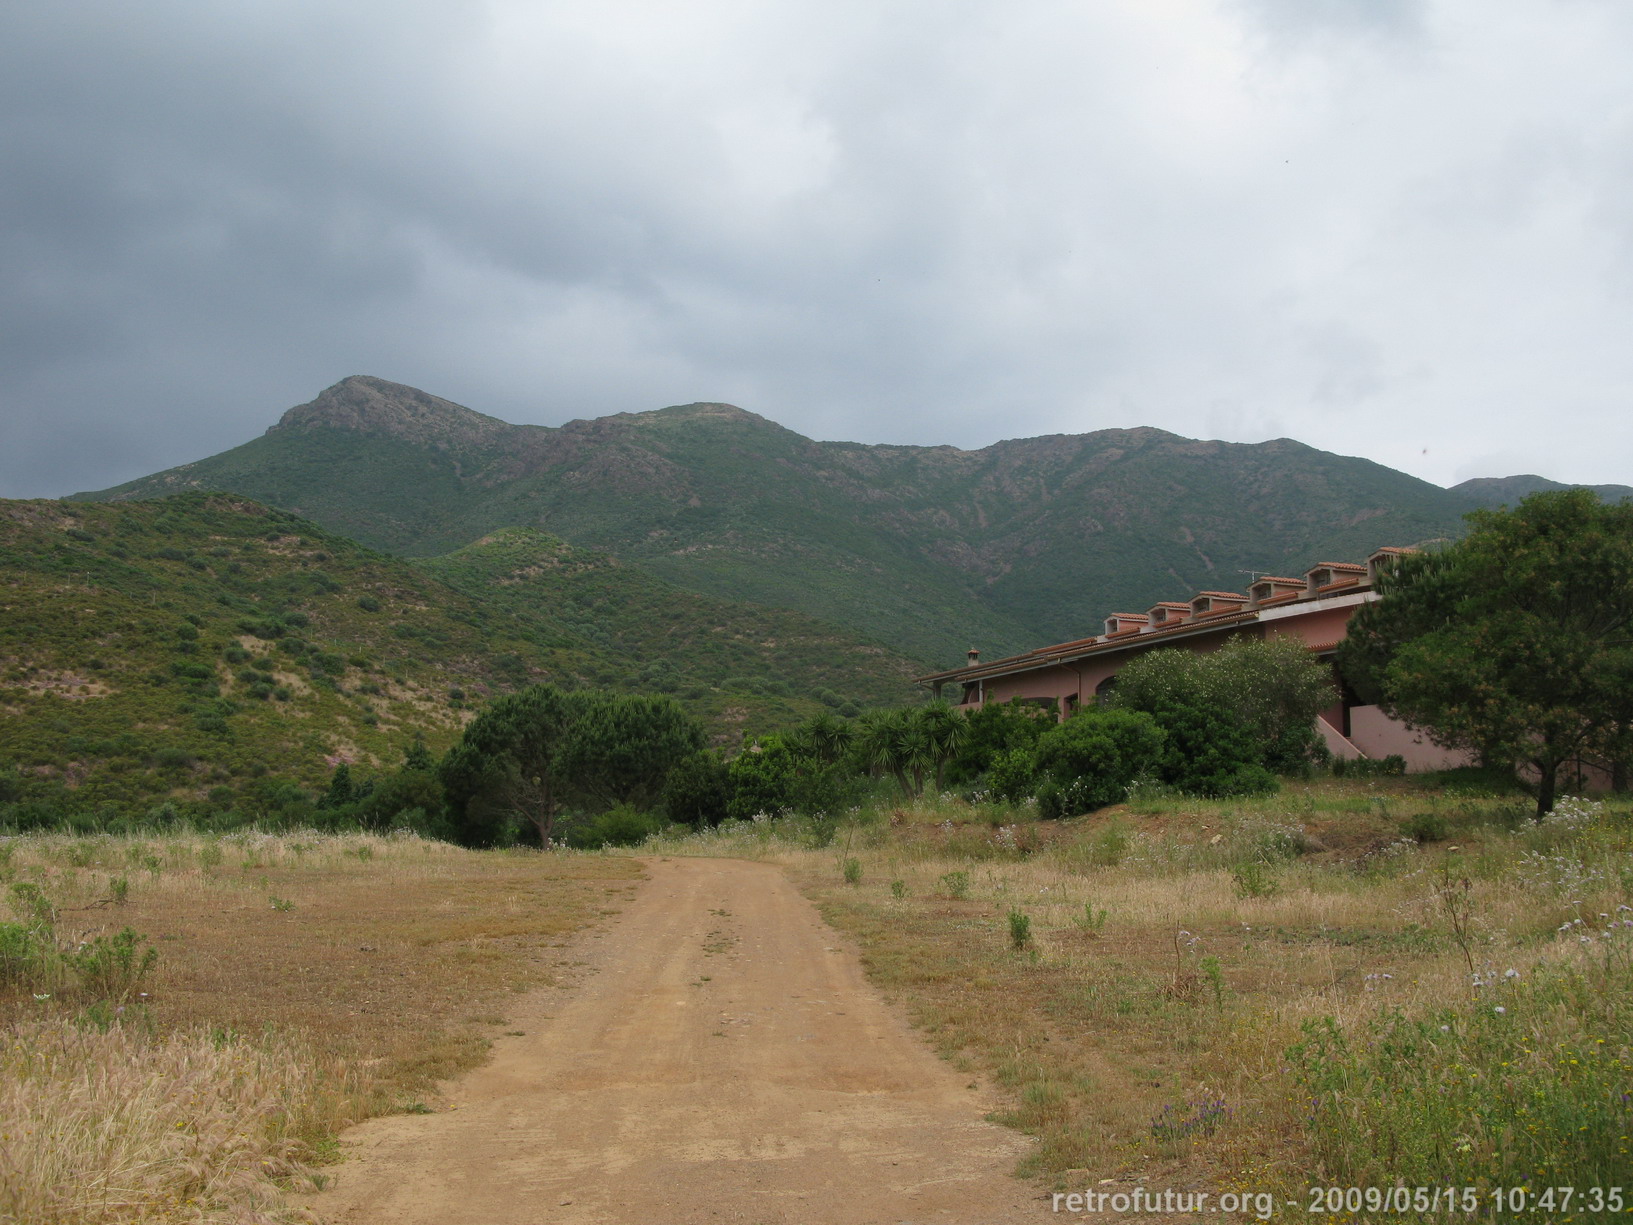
[1515,643]
[541,752]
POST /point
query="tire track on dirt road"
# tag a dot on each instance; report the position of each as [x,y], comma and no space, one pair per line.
[728,1063]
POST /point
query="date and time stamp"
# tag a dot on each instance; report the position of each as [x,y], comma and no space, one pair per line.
[1448,1202]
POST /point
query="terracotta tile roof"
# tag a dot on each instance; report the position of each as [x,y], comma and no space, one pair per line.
[1189,619]
[1058,647]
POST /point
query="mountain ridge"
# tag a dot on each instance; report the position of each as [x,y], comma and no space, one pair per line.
[927,549]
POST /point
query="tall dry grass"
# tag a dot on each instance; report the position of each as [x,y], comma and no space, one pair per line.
[302,982]
[119,1124]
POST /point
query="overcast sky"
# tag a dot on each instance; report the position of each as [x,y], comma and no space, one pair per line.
[1386,228]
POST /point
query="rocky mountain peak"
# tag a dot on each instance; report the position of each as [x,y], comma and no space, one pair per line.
[368,405]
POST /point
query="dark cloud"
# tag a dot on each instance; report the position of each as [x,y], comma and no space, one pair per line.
[1397,229]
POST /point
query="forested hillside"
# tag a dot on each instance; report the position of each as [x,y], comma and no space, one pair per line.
[208,648]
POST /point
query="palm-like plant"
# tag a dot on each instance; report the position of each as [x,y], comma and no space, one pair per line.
[911,742]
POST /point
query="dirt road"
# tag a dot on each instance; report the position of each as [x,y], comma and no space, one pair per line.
[726,1063]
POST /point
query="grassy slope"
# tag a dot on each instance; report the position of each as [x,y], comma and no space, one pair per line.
[118,622]
[106,609]
[927,549]
[735,664]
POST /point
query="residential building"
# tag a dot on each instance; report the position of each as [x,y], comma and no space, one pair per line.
[1314,609]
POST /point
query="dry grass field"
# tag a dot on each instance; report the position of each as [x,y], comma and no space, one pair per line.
[1261,995]
[297,984]
[1352,982]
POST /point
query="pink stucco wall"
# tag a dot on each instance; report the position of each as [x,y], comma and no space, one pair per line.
[1339,745]
[1377,735]
[1318,627]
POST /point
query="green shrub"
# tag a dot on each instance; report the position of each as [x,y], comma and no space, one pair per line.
[1109,847]
[28,956]
[1020,928]
[111,967]
[1094,757]
[621,826]
[995,730]
[1092,921]
[1424,827]
[851,869]
[1255,879]
[762,779]
[1369,767]
[1231,716]
[1012,776]
[956,884]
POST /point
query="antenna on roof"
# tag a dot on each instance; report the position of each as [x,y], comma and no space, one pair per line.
[1253,575]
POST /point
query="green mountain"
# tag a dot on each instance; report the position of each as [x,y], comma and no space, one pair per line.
[927,549]
[729,662]
[1490,492]
[205,646]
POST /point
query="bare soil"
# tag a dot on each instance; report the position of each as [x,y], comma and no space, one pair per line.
[725,1062]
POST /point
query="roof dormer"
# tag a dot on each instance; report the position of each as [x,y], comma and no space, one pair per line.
[1384,559]
[1273,587]
[1122,623]
[1331,574]
[1169,613]
[1211,603]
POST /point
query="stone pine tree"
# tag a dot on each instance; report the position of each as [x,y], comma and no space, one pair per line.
[509,762]
[540,753]
[1515,643]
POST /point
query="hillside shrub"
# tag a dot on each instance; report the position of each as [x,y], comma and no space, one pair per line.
[1091,760]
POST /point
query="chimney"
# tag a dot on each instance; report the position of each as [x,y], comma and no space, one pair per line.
[974,657]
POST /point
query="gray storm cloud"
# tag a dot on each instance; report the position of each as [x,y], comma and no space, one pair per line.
[1400,230]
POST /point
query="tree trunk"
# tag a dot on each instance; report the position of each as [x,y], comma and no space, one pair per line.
[1618,776]
[542,812]
[1547,775]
